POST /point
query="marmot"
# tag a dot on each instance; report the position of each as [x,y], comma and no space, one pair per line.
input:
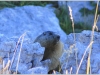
[53,47]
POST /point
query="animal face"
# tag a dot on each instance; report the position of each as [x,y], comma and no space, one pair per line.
[48,38]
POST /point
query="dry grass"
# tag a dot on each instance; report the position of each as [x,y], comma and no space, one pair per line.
[7,67]
[88,71]
[92,38]
[22,37]
[71,17]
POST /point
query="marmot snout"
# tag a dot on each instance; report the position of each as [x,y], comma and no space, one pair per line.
[53,47]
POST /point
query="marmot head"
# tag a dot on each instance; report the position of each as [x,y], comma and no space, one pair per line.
[48,39]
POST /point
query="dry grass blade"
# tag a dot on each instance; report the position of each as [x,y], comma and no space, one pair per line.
[88,65]
[83,57]
[54,71]
[66,71]
[70,70]
[5,69]
[71,17]
[20,51]
[92,38]
[16,49]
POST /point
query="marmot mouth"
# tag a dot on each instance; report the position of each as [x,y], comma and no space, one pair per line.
[57,41]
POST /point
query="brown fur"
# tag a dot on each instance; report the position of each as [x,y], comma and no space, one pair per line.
[53,47]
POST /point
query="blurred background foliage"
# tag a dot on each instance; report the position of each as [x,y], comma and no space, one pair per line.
[61,13]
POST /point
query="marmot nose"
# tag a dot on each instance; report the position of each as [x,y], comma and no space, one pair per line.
[58,37]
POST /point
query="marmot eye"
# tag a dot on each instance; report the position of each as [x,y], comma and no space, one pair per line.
[50,33]
[44,33]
